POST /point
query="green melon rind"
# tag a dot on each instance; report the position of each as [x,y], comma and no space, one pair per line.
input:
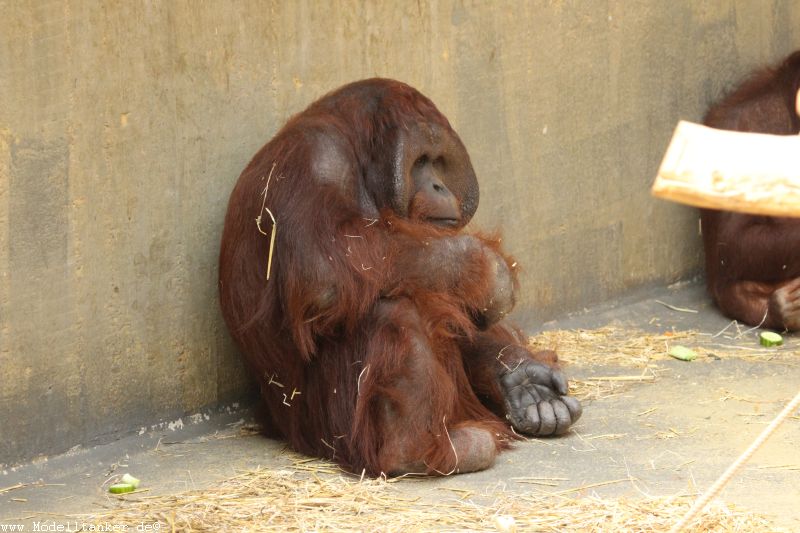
[130,480]
[683,353]
[770,339]
[121,488]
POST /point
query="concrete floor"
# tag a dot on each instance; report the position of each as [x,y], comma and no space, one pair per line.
[671,436]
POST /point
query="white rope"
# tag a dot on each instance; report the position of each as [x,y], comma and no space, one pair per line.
[701,503]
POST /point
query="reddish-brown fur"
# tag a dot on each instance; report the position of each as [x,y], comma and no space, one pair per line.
[753,262]
[341,335]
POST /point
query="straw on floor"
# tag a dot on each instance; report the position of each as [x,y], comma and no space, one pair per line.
[311,495]
[289,500]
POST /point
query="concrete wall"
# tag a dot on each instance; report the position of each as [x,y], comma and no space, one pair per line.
[123,126]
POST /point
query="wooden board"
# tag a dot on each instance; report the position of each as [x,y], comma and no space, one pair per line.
[730,170]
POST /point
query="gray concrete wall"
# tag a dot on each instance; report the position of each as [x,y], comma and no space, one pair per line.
[123,126]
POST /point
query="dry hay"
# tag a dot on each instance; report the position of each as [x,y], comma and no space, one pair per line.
[631,347]
[611,345]
[314,496]
[599,387]
[289,500]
